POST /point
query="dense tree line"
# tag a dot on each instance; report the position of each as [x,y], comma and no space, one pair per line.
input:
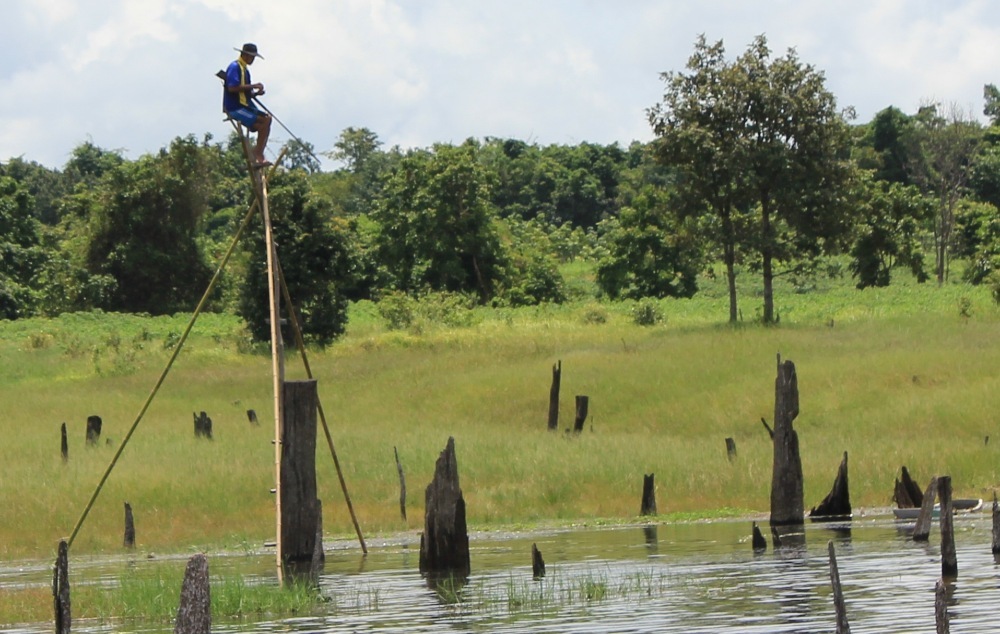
[754,166]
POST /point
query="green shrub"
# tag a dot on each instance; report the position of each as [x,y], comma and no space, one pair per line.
[646,312]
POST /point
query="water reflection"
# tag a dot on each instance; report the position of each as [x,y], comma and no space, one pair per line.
[650,534]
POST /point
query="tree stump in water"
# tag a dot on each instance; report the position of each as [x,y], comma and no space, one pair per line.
[194,615]
[941,624]
[837,504]
[949,561]
[93,430]
[996,525]
[648,506]
[444,544]
[60,590]
[129,539]
[759,543]
[537,563]
[922,530]
[202,426]
[299,504]
[787,508]
[554,396]
[582,405]
[907,493]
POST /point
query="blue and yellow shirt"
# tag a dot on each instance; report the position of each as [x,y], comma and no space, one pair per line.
[236,75]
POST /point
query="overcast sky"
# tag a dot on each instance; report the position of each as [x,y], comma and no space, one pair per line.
[133,74]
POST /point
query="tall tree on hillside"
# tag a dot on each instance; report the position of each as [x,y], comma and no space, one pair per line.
[941,164]
[21,256]
[760,136]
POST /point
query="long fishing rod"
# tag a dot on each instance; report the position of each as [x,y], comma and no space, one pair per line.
[302,143]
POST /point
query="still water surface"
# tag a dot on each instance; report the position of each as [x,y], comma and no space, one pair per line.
[685,577]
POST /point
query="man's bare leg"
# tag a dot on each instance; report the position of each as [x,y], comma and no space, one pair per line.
[263,130]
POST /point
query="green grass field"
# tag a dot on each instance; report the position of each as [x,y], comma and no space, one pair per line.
[899,376]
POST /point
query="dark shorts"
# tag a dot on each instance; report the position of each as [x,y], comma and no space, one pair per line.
[247,115]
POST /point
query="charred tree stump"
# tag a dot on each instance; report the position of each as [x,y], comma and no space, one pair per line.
[202,426]
[996,525]
[554,396]
[299,505]
[787,507]
[60,590]
[64,444]
[402,485]
[537,563]
[843,626]
[922,531]
[582,405]
[194,615]
[252,417]
[731,449]
[941,623]
[444,544]
[949,562]
[907,493]
[93,430]
[129,540]
[837,504]
[648,496]
[759,543]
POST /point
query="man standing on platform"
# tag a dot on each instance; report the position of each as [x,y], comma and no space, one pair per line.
[237,101]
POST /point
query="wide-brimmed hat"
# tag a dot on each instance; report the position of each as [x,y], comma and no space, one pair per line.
[249,49]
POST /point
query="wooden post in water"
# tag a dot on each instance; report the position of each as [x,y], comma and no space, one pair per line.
[648,506]
[444,544]
[537,563]
[129,539]
[299,509]
[194,614]
[941,607]
[93,430]
[582,405]
[922,531]
[787,508]
[402,485]
[949,562]
[996,525]
[64,445]
[554,396]
[837,503]
[907,494]
[60,590]
[759,543]
[843,626]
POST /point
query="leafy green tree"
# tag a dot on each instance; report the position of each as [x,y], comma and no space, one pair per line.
[143,230]
[315,255]
[436,228]
[889,234]
[45,185]
[979,225]
[759,135]
[888,136]
[21,256]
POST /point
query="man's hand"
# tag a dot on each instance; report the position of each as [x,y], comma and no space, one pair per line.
[257,89]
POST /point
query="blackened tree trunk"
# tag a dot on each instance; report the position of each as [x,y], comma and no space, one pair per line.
[554,396]
[907,494]
[444,544]
[94,424]
[299,505]
[582,406]
[648,506]
[60,590]
[194,614]
[838,502]
[787,508]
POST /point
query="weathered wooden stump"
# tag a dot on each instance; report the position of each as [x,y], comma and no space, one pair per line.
[843,626]
[202,426]
[252,417]
[94,425]
[787,507]
[582,405]
[996,525]
[837,503]
[907,494]
[648,506]
[129,539]
[554,396]
[194,615]
[941,623]
[922,530]
[60,590]
[730,449]
[402,485]
[64,445]
[444,544]
[537,563]
[299,505]
[759,543]
[949,561]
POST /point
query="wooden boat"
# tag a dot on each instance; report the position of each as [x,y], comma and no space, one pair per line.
[960,505]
